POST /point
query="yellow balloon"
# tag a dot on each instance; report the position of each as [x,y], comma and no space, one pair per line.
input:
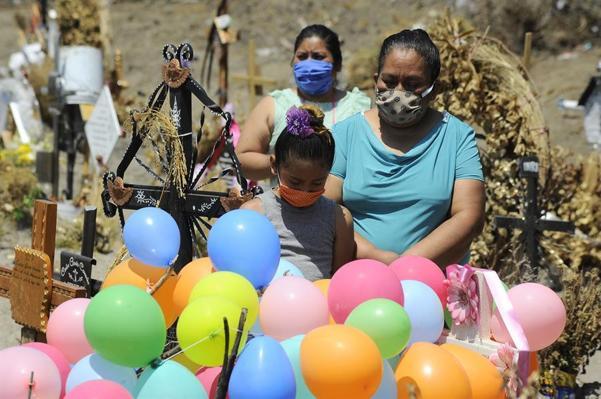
[200,329]
[187,363]
[230,286]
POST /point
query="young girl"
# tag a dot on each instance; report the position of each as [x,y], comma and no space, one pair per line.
[316,234]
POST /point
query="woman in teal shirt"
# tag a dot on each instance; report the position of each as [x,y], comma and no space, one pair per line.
[410,175]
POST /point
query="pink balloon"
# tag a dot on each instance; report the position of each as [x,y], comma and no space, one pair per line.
[208,377]
[291,306]
[421,269]
[65,329]
[60,361]
[99,389]
[359,281]
[16,365]
[540,312]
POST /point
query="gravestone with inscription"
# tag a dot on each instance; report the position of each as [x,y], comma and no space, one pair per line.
[103,129]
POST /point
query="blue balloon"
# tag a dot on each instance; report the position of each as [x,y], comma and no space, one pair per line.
[151,236]
[262,371]
[95,367]
[245,242]
[170,380]
[424,310]
[292,348]
[388,388]
[286,268]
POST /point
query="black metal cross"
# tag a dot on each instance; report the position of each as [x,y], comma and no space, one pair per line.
[532,224]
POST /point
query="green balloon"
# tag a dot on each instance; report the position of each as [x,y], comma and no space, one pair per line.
[386,323]
[447,318]
[125,325]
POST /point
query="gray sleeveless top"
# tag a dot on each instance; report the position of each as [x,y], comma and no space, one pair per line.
[306,235]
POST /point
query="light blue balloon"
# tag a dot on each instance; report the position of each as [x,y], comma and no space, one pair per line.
[388,388]
[394,361]
[170,380]
[286,268]
[256,330]
[151,236]
[425,311]
[262,371]
[245,242]
[292,348]
[95,367]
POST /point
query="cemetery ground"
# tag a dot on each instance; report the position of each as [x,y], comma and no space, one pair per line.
[141,28]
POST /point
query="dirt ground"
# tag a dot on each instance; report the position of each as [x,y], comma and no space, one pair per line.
[141,28]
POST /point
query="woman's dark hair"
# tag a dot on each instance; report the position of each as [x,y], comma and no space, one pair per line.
[317,147]
[417,40]
[329,37]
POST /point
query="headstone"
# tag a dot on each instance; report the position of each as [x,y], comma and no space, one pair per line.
[77,269]
[103,129]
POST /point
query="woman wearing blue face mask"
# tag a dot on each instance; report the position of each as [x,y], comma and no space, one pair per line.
[316,62]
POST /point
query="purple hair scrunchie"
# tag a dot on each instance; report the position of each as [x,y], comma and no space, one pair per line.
[298,122]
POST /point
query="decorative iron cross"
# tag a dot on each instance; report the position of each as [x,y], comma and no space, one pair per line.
[187,206]
[532,224]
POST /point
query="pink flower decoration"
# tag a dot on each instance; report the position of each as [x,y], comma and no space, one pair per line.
[462,297]
[503,360]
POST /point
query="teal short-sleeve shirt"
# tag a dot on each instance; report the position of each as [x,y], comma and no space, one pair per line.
[397,200]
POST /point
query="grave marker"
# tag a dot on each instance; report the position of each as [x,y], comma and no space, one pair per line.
[103,129]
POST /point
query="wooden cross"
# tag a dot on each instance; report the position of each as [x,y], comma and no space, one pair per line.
[254,81]
[30,286]
[531,223]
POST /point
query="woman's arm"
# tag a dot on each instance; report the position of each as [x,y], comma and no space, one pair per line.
[364,248]
[253,147]
[344,244]
[450,241]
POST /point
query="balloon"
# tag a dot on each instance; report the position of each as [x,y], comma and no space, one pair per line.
[16,365]
[57,357]
[448,319]
[498,330]
[65,329]
[540,312]
[433,372]
[94,367]
[324,285]
[394,361]
[262,371]
[169,380]
[286,268]
[424,310]
[182,359]
[200,329]
[209,378]
[292,348]
[385,322]
[339,361]
[99,389]
[245,242]
[134,272]
[417,268]
[387,389]
[256,330]
[359,281]
[125,326]
[485,380]
[292,306]
[230,286]
[151,235]
[187,279]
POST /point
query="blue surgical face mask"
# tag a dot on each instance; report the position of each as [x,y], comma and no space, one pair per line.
[313,77]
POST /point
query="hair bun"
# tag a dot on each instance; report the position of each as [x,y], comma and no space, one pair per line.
[317,117]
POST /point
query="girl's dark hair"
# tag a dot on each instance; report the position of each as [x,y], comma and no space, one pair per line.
[328,36]
[417,40]
[317,147]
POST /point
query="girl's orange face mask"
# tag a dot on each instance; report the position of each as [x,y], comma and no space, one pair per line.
[298,198]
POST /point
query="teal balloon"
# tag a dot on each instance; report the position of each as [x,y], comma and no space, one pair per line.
[394,361]
[286,268]
[170,380]
[388,387]
[292,348]
[125,325]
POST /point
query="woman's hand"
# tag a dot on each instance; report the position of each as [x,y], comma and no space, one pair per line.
[253,147]
[367,250]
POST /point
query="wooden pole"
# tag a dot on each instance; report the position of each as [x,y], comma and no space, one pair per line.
[527,49]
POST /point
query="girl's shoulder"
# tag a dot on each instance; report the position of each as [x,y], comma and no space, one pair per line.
[255,204]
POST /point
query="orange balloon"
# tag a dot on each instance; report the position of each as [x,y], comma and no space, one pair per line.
[187,279]
[136,273]
[485,379]
[339,361]
[323,285]
[432,372]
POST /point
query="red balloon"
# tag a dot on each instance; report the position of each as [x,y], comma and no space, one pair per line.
[421,269]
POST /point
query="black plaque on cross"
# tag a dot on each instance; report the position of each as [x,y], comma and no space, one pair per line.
[77,268]
[532,223]
[188,209]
